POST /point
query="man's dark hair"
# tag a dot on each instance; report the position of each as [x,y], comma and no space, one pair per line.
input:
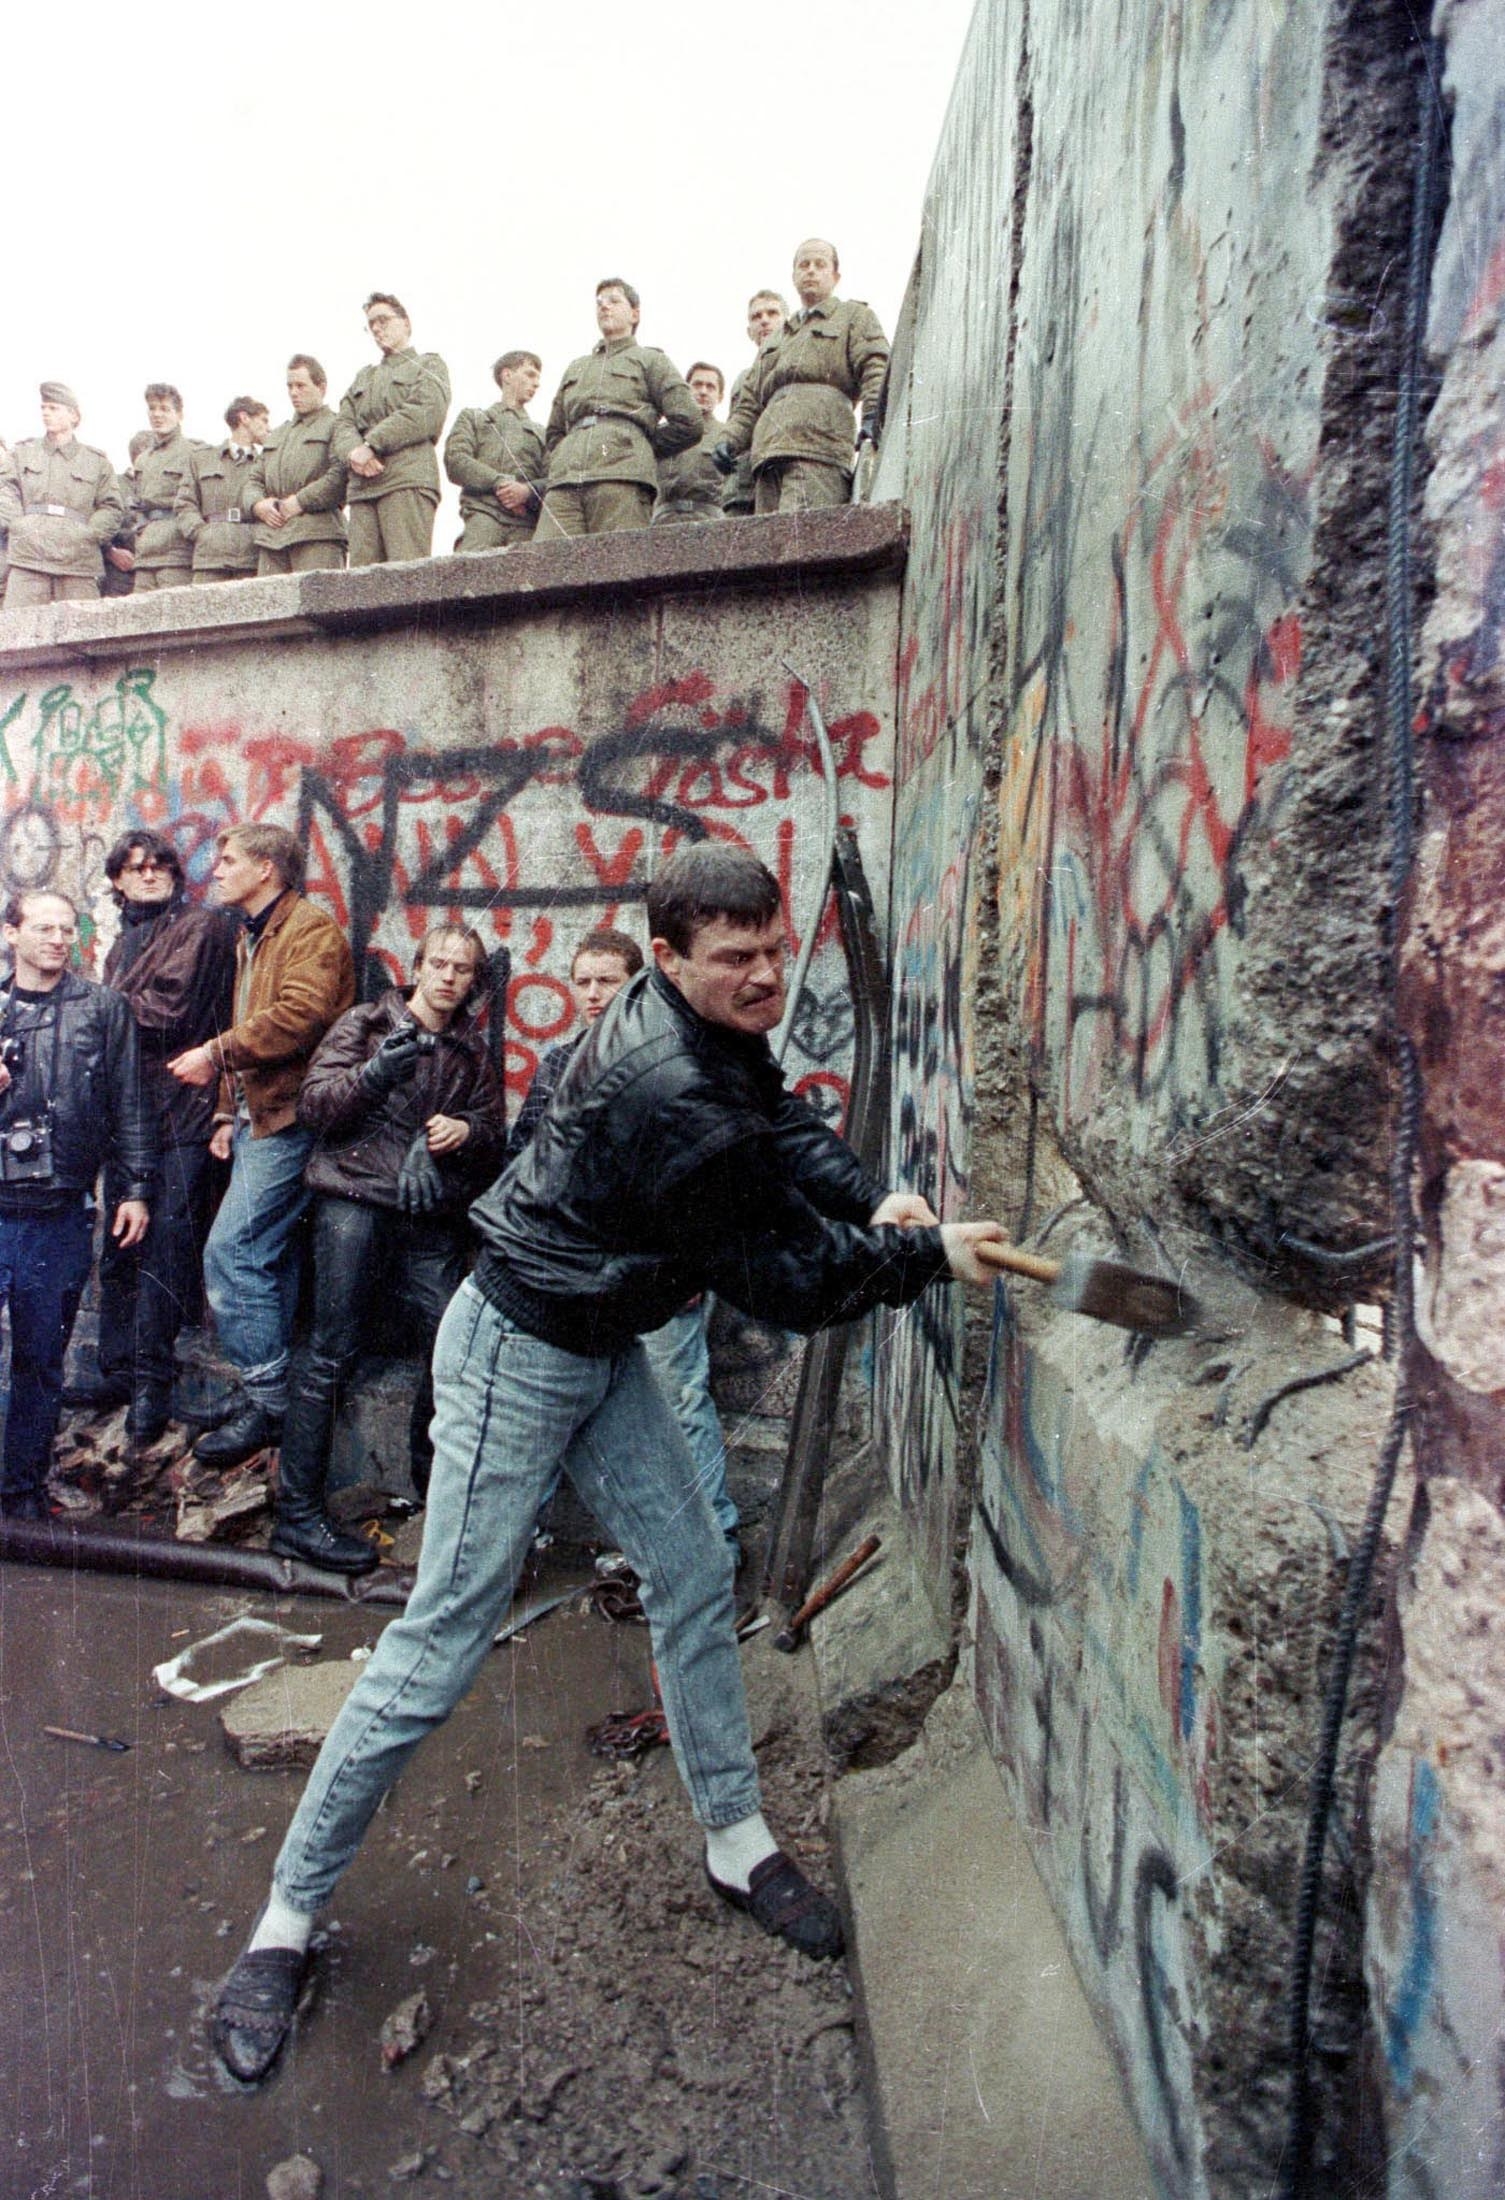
[148,844]
[385,298]
[155,391]
[15,904]
[618,282]
[699,366]
[607,941]
[705,882]
[306,359]
[238,408]
[272,844]
[510,359]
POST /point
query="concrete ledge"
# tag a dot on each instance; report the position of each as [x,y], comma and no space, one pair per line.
[489,585]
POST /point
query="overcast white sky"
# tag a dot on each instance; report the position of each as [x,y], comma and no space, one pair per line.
[205,189]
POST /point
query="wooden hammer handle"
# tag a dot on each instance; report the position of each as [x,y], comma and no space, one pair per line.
[819,1598]
[993,1255]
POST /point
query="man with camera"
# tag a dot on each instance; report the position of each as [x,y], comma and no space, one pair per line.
[70,1102]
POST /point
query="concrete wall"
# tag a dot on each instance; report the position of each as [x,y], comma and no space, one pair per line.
[1435,1958]
[1138,922]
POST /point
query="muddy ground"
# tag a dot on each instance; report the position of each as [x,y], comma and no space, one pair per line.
[601,2025]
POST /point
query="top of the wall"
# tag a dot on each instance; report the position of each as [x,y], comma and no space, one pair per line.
[491,585]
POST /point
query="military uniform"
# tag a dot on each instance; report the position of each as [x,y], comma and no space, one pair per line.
[397,408]
[59,504]
[163,558]
[795,409]
[689,486]
[737,494]
[617,411]
[304,458]
[500,443]
[213,509]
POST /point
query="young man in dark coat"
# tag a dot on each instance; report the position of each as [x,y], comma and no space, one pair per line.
[671,1161]
[407,1118]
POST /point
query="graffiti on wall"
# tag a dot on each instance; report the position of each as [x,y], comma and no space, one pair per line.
[533,839]
[1090,1671]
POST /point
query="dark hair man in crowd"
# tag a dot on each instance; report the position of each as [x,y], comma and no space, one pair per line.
[689,483]
[297,485]
[294,975]
[618,410]
[677,1352]
[795,408]
[213,506]
[396,410]
[407,1118]
[70,1101]
[162,555]
[671,1160]
[767,312]
[174,965]
[59,505]
[496,458]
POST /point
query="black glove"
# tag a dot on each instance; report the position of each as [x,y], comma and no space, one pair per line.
[394,1063]
[420,1182]
[724,458]
[868,432]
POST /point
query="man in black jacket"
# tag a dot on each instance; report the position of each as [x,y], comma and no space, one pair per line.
[174,964]
[70,1100]
[671,1161]
[407,1116]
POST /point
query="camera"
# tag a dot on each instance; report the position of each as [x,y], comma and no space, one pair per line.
[12,1054]
[26,1153]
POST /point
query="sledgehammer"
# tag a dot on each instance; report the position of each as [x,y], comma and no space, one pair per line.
[1105,1290]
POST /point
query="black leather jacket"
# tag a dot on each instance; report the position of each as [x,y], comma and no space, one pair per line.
[101,1108]
[672,1160]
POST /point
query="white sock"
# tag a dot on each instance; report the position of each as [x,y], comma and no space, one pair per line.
[734,1852]
[281,1926]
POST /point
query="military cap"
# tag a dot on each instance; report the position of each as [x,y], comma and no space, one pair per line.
[58,393]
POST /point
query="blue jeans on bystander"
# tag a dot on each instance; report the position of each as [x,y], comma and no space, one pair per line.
[251,1258]
[44,1264]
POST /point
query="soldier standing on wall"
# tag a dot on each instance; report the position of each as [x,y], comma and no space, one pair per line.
[59,505]
[163,557]
[214,504]
[496,457]
[397,410]
[767,312]
[689,485]
[297,485]
[795,409]
[617,411]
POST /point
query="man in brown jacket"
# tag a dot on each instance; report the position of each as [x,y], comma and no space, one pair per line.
[795,409]
[496,458]
[59,505]
[213,506]
[297,485]
[617,412]
[294,975]
[162,556]
[397,410]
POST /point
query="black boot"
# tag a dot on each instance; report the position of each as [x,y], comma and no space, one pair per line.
[302,1528]
[245,1433]
[318,1542]
[149,1413]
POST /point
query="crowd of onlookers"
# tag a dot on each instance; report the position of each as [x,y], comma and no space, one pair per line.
[629,442]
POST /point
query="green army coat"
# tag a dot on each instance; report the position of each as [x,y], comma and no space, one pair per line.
[304,458]
[617,411]
[154,481]
[798,397]
[500,443]
[737,490]
[397,407]
[59,504]
[216,485]
[689,486]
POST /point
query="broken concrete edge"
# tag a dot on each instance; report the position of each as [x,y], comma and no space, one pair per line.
[590,572]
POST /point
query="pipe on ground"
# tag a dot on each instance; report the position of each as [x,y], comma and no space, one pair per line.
[110,1550]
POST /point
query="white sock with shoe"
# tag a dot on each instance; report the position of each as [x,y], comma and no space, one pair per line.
[733,1853]
[281,1926]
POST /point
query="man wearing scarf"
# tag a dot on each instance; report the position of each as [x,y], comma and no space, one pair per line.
[175,965]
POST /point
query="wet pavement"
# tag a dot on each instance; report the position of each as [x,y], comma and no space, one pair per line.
[127,1881]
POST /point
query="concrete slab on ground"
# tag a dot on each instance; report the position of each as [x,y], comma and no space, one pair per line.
[990,2077]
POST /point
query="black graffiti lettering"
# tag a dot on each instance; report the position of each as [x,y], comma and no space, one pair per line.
[1155,1876]
[1104,1913]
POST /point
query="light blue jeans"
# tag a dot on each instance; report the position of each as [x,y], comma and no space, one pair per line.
[508,1408]
[251,1258]
[678,1356]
